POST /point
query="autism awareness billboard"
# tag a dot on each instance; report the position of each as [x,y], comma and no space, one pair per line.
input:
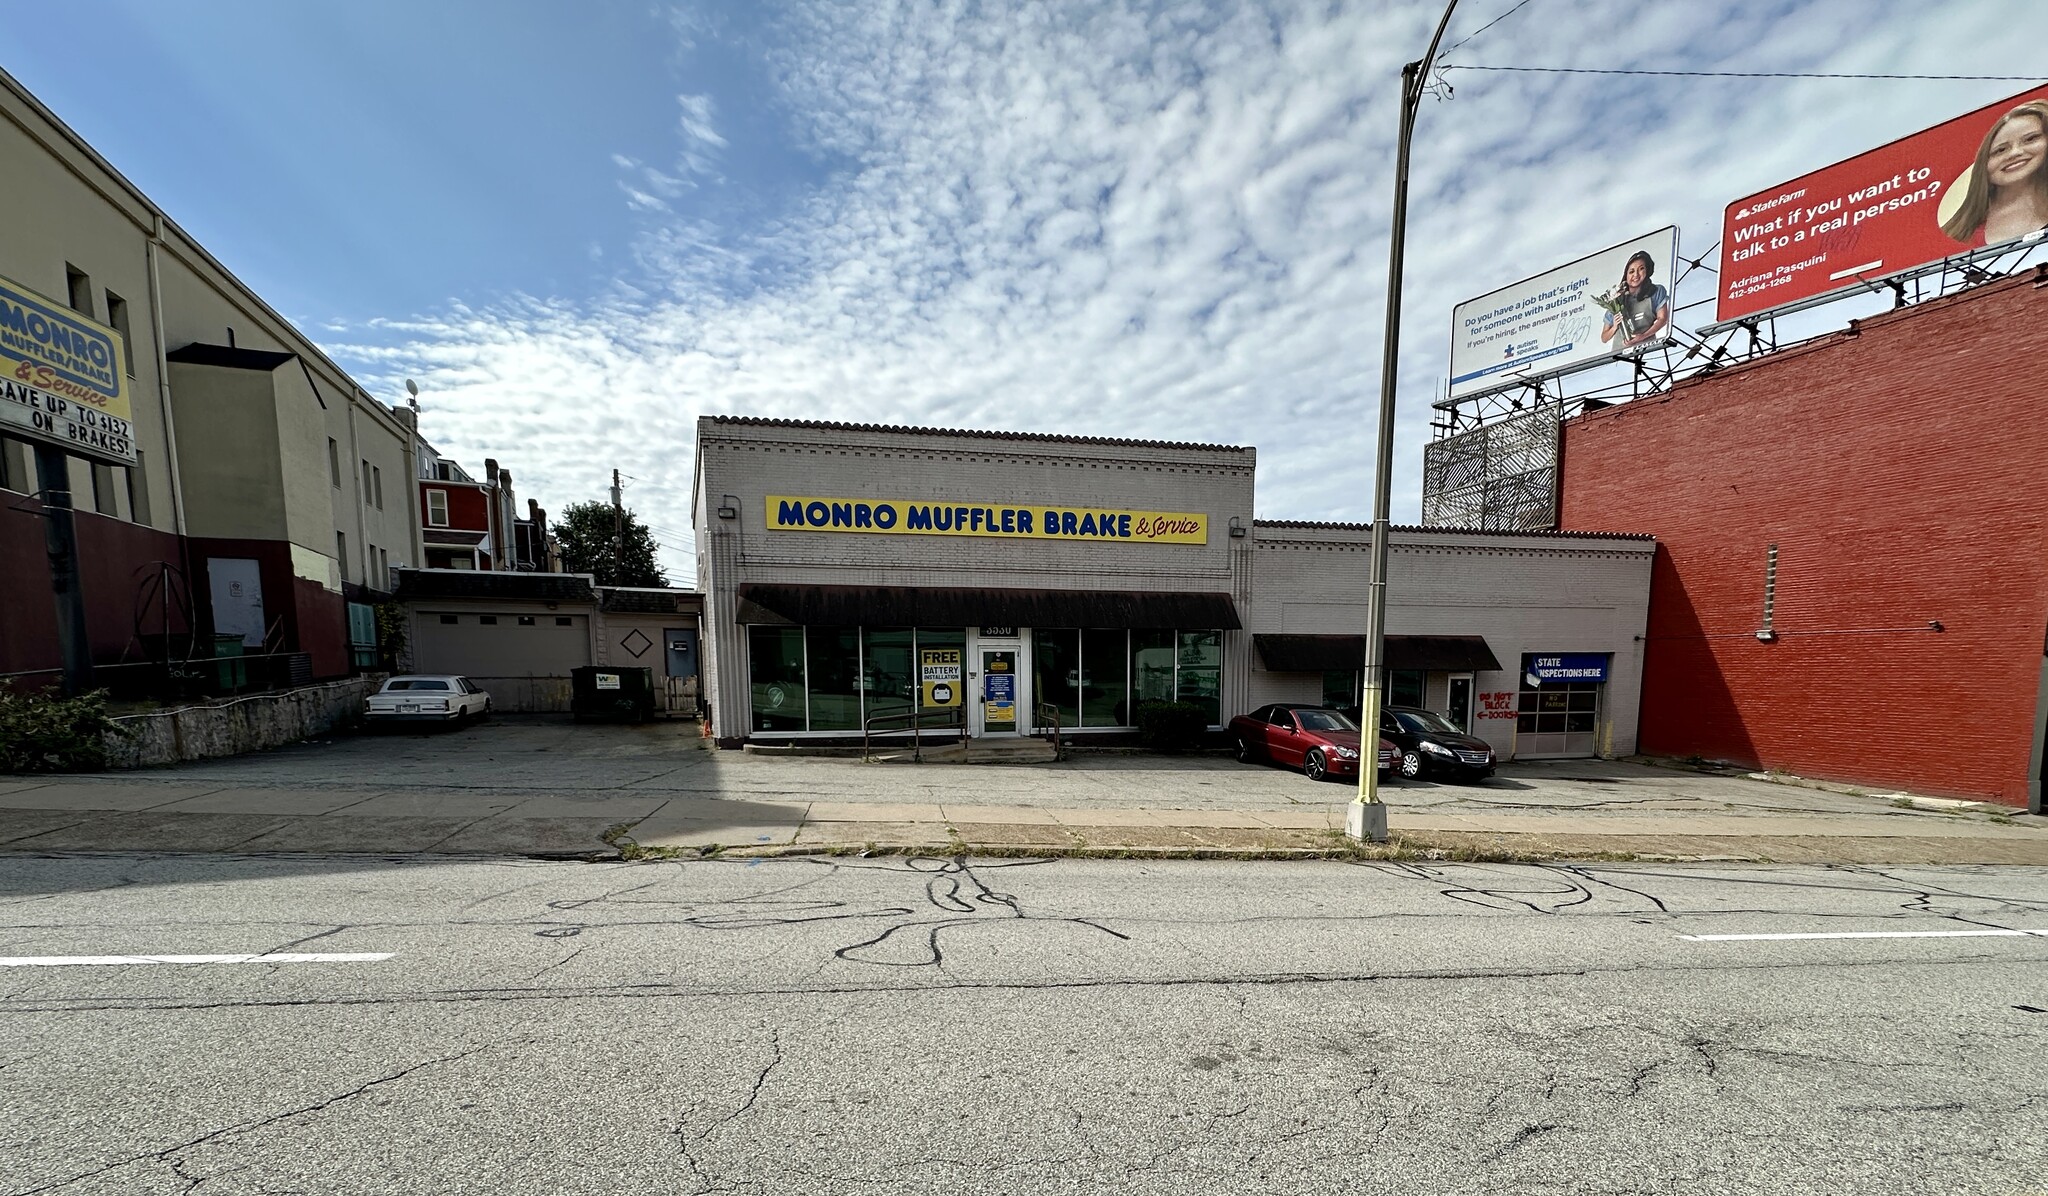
[1977,180]
[1615,303]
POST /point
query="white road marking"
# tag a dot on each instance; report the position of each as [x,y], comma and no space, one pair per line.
[86,961]
[1862,934]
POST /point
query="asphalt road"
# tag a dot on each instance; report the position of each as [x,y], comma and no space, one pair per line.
[900,1026]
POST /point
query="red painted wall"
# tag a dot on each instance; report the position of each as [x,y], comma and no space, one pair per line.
[468,510]
[118,570]
[1902,469]
[307,616]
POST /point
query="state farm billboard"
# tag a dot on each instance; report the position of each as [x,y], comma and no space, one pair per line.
[1975,180]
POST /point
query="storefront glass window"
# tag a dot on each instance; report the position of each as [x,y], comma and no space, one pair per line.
[888,672]
[1201,667]
[1404,687]
[1105,688]
[834,682]
[1340,690]
[1152,666]
[1056,669]
[776,658]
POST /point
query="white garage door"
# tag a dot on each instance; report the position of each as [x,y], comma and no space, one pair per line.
[483,645]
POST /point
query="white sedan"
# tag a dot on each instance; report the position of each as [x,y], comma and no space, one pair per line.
[420,698]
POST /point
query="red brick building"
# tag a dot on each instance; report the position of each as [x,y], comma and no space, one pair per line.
[1887,487]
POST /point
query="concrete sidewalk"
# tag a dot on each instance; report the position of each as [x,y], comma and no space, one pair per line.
[1533,814]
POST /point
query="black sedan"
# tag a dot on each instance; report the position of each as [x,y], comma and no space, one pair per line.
[1432,744]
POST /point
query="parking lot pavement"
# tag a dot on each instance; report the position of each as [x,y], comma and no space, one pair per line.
[539,785]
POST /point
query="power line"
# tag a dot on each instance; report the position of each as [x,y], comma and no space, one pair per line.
[1586,70]
[1490,24]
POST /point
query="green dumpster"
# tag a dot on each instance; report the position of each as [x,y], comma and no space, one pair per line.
[231,672]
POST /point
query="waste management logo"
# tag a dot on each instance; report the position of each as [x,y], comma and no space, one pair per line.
[63,377]
[890,516]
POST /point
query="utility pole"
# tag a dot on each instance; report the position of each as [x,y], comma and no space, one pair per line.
[1366,818]
[618,529]
[60,541]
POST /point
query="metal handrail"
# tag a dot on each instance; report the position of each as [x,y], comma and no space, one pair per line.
[1052,708]
[914,720]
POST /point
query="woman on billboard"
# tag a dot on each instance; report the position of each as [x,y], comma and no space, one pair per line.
[1638,310]
[2006,194]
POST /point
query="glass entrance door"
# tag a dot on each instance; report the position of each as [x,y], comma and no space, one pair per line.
[1000,691]
[1459,702]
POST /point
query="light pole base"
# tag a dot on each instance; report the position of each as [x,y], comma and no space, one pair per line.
[1366,822]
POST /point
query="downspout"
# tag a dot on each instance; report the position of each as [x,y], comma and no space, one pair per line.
[151,250]
[355,469]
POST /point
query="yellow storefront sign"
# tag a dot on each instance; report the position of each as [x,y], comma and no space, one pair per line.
[1012,521]
[939,671]
[63,377]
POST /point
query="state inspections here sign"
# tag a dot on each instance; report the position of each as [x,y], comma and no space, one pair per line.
[1615,302]
[63,378]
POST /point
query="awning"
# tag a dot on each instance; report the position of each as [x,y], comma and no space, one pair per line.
[1346,653]
[904,606]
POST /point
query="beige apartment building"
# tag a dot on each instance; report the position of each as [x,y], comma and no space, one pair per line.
[263,492]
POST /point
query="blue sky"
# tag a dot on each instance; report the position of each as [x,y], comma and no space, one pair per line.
[580,226]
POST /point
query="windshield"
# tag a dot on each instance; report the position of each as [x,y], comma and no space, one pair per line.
[1421,721]
[1324,720]
[414,683]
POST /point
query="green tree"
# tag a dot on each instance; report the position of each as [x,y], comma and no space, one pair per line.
[585,531]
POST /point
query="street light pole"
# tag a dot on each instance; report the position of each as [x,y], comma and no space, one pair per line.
[1366,818]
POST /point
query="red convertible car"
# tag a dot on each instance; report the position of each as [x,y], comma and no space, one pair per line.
[1320,742]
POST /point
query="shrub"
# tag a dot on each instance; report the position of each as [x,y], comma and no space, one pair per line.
[48,733]
[1171,726]
[390,636]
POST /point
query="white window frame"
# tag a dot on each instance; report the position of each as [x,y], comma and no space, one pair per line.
[432,519]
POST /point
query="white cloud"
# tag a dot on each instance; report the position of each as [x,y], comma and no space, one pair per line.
[1163,221]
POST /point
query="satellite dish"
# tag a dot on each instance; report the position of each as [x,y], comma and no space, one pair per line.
[412,388]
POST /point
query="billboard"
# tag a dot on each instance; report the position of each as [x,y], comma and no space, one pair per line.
[63,378]
[1588,312]
[1975,180]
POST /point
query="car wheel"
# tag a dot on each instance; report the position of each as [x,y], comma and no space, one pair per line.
[1243,751]
[1317,766]
[1411,765]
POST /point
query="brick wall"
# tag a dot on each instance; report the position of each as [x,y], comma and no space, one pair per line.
[1901,468]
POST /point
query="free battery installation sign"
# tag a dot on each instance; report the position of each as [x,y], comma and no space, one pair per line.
[1010,521]
[63,378]
[939,673]
[1974,181]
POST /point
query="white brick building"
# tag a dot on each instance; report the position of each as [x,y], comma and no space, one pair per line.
[848,569]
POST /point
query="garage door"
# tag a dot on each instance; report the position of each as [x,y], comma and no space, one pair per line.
[482,645]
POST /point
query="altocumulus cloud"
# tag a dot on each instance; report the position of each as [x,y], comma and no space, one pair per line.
[1160,221]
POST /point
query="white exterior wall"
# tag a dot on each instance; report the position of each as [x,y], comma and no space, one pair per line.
[1536,593]
[751,461]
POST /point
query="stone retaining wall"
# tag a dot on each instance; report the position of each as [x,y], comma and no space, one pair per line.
[239,725]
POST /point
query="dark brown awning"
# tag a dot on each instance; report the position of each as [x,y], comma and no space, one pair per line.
[904,606]
[1346,653]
